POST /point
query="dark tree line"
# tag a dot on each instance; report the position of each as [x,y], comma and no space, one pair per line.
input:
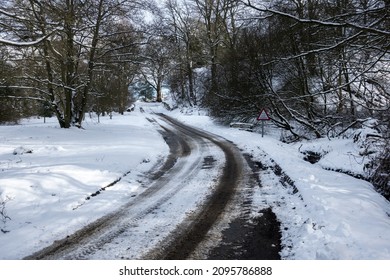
[64,52]
[319,66]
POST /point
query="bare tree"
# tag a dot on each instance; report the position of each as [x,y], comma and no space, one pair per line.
[116,67]
[66,40]
[335,48]
[214,14]
[156,60]
[186,31]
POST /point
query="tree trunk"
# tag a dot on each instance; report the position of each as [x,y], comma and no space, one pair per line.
[91,65]
[191,82]
[69,63]
[159,90]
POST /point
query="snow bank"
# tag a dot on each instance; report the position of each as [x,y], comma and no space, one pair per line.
[48,174]
[333,215]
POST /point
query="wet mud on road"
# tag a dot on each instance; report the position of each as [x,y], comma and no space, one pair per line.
[257,239]
[241,236]
[244,238]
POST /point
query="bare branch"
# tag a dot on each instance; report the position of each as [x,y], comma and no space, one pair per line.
[24,44]
[369,28]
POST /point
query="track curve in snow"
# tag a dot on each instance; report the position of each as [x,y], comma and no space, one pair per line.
[182,199]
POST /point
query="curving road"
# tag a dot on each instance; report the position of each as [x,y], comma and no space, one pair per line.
[187,205]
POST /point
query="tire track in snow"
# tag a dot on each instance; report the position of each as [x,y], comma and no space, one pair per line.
[89,241]
[184,241]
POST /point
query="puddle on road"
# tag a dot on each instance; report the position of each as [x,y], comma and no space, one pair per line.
[258,239]
[208,162]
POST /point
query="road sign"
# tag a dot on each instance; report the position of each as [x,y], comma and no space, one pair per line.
[263,116]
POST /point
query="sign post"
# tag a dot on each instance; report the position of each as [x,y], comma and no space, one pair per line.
[263,116]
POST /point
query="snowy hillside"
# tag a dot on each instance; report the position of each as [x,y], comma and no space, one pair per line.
[324,214]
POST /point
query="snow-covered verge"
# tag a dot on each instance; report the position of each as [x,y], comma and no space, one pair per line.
[325,214]
[48,176]
[54,181]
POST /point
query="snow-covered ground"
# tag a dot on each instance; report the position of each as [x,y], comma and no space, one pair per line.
[47,174]
[333,215]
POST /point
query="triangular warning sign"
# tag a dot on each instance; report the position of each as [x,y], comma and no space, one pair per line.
[263,116]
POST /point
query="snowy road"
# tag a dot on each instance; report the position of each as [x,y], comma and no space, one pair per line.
[187,201]
[117,190]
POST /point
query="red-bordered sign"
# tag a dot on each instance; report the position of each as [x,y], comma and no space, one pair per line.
[263,116]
